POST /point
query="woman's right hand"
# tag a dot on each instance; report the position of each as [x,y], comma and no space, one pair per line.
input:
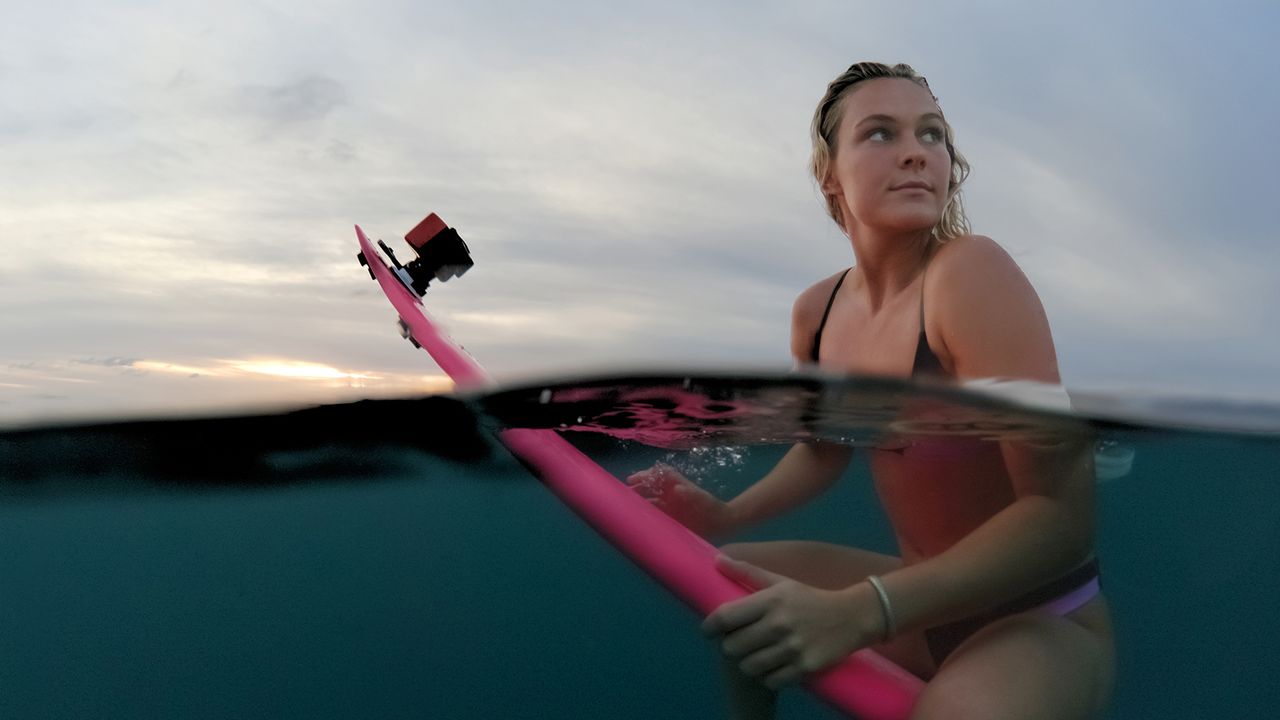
[683,500]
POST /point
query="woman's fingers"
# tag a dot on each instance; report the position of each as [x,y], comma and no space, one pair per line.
[644,490]
[644,477]
[784,675]
[738,614]
[653,479]
[682,499]
[747,574]
[756,637]
[646,483]
[734,615]
[786,630]
[766,661]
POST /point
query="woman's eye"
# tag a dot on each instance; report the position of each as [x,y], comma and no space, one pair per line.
[879,135]
[932,135]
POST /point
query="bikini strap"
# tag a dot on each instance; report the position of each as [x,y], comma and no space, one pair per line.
[923,270]
[925,361]
[817,336]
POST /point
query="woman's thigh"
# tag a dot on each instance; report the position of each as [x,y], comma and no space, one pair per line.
[819,564]
[1031,665]
[834,567]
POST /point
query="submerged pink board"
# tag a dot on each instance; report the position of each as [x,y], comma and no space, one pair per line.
[865,685]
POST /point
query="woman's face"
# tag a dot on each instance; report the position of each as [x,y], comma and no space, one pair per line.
[891,170]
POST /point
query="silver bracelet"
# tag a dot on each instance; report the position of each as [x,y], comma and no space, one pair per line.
[890,625]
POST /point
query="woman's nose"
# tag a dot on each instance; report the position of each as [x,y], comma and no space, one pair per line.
[913,155]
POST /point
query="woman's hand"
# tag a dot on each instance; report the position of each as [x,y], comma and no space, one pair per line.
[787,630]
[682,499]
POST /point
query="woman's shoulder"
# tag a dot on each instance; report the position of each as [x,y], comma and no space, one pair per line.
[806,313]
[812,302]
[988,314]
[969,253]
[971,268]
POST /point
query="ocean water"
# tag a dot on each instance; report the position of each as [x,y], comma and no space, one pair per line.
[386,559]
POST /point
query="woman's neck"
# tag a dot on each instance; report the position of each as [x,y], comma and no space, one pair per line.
[888,264]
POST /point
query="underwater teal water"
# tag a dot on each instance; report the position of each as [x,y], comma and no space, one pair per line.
[401,583]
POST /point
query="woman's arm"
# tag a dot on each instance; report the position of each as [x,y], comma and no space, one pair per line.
[1039,537]
[788,629]
[803,473]
[806,471]
[992,324]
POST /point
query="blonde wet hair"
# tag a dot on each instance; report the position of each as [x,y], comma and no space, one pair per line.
[826,121]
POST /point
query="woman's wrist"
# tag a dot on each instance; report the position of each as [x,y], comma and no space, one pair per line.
[866,615]
[890,620]
[732,517]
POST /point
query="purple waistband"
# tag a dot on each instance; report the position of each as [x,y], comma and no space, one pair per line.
[1074,600]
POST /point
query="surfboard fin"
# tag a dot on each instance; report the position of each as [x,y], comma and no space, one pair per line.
[365,263]
[407,333]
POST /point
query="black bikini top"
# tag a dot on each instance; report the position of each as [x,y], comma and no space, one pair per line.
[925,361]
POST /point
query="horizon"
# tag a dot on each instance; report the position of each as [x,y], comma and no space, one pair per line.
[632,183]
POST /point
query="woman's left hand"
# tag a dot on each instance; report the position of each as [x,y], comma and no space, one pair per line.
[787,629]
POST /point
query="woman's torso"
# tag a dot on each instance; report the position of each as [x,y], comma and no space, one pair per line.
[934,488]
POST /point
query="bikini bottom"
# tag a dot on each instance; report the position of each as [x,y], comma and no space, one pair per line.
[1059,597]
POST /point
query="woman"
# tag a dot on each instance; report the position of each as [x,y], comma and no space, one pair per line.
[993,599]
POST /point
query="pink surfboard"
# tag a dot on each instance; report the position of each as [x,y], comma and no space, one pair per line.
[865,685]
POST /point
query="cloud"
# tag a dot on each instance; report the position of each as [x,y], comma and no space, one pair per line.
[109,362]
[159,387]
[305,100]
[632,181]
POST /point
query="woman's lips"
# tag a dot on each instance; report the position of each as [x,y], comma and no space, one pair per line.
[913,185]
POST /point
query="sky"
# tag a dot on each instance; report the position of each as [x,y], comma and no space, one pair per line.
[179,182]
